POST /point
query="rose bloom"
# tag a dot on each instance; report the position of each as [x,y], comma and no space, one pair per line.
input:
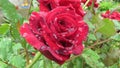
[112,15]
[90,3]
[56,34]
[48,5]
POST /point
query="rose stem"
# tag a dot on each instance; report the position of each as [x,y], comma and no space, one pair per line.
[27,56]
[86,4]
[30,7]
[101,42]
[35,59]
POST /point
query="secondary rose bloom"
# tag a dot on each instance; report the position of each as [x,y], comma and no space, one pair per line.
[112,15]
[56,34]
[90,3]
[48,5]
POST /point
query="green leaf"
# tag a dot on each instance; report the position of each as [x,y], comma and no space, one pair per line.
[18,61]
[91,26]
[14,30]
[5,48]
[91,36]
[16,48]
[9,11]
[70,65]
[117,24]
[13,16]
[4,28]
[36,65]
[2,65]
[107,28]
[116,37]
[78,63]
[96,19]
[48,63]
[114,66]
[92,58]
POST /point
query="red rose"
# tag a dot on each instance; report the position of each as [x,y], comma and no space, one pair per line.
[57,34]
[112,15]
[47,5]
[90,3]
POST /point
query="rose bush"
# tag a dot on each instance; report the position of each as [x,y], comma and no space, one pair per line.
[48,5]
[57,34]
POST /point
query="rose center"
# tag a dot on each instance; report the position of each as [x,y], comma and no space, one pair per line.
[65,43]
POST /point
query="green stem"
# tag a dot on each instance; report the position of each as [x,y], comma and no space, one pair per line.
[27,56]
[86,4]
[9,64]
[35,59]
[29,8]
[101,42]
[24,44]
[92,7]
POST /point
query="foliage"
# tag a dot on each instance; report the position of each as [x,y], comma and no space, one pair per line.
[102,48]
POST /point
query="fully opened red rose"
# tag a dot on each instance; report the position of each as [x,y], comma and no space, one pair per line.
[48,5]
[56,34]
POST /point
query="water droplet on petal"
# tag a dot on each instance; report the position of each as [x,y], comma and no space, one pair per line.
[43,47]
[37,35]
[77,35]
[57,51]
[25,34]
[80,29]
[55,19]
[55,36]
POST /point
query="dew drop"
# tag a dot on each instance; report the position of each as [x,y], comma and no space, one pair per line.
[80,29]
[23,26]
[57,51]
[70,30]
[55,36]
[25,34]
[39,29]
[55,19]
[36,35]
[77,35]
[43,47]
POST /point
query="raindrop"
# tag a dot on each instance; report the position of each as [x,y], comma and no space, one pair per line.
[43,47]
[57,51]
[23,26]
[55,19]
[43,26]
[37,35]
[25,34]
[33,15]
[64,51]
[39,29]
[70,30]
[55,36]
[77,41]
[77,35]
[73,42]
[80,29]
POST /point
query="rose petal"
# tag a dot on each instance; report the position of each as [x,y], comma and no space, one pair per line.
[30,37]
[78,49]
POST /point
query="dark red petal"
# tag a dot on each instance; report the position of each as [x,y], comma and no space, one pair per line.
[78,49]
[54,55]
[30,37]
